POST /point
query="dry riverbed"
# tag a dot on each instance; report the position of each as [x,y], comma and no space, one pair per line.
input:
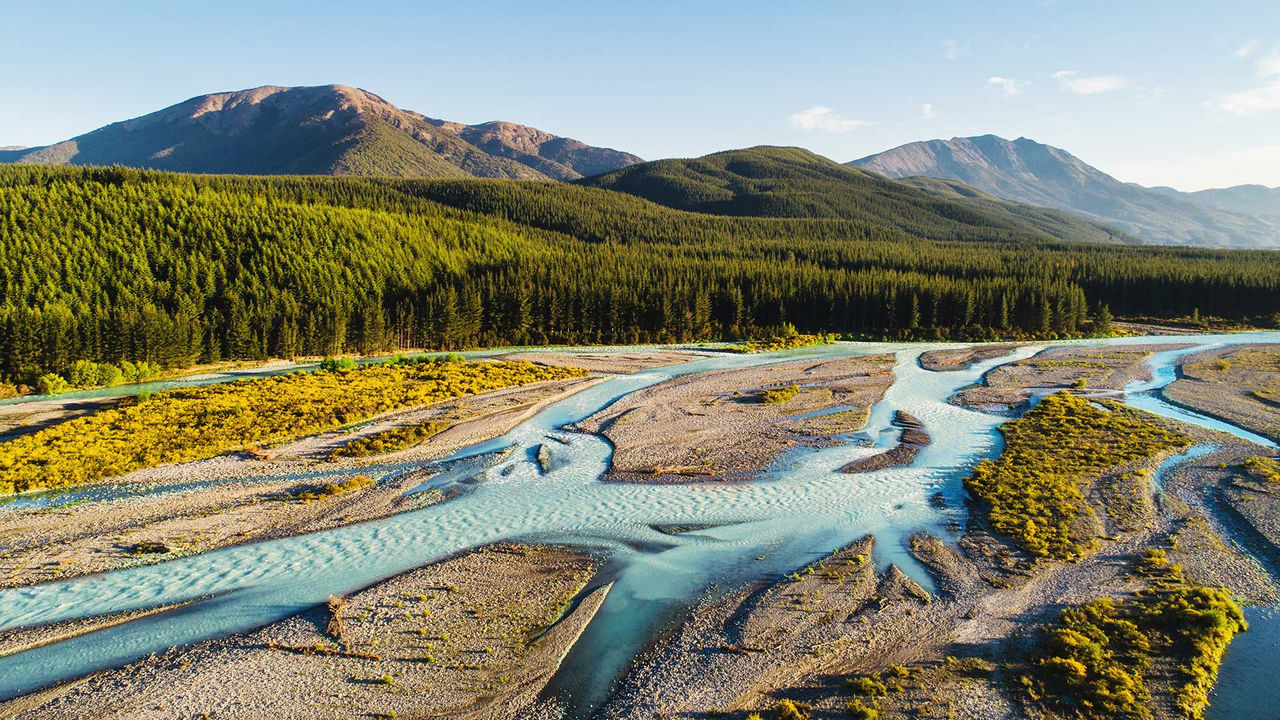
[473,636]
[1092,370]
[800,639]
[719,424]
[1240,384]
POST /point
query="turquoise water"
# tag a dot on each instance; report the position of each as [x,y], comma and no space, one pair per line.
[798,510]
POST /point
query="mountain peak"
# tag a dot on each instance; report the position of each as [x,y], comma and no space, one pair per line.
[1028,171]
[324,129]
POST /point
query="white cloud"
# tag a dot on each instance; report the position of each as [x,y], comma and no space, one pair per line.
[1262,98]
[954,49]
[1196,171]
[1008,86]
[1248,47]
[1269,64]
[824,119]
[1246,102]
[927,110]
[1088,85]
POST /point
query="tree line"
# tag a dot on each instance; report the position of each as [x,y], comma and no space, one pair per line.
[110,265]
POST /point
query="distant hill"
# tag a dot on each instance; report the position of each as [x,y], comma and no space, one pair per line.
[1257,200]
[788,182]
[327,130]
[1026,171]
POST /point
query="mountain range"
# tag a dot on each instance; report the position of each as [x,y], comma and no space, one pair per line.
[1020,186]
[325,130]
[789,182]
[1026,171]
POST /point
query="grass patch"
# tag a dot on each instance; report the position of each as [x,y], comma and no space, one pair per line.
[334,489]
[202,422]
[1262,468]
[1033,491]
[779,395]
[392,440]
[1097,658]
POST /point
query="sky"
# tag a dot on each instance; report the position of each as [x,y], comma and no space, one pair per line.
[1185,94]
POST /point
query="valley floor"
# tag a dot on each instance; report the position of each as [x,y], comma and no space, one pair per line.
[484,632]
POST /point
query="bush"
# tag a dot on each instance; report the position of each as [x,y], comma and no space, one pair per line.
[337,364]
[51,384]
[1033,491]
[392,440]
[1094,659]
[858,711]
[777,396]
[1263,468]
[867,686]
[790,710]
[333,489]
[201,422]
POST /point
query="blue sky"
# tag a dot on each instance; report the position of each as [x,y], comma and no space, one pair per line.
[1179,93]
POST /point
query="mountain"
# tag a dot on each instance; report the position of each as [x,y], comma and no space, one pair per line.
[326,130]
[784,182]
[11,148]
[1026,171]
[1256,200]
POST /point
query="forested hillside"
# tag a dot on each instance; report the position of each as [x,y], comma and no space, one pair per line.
[790,182]
[115,264]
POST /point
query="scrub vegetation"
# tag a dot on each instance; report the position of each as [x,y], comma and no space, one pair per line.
[1263,468]
[392,440]
[336,488]
[201,422]
[785,341]
[1096,660]
[779,395]
[1035,490]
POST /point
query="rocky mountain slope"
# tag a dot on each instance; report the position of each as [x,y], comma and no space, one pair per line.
[327,130]
[1026,171]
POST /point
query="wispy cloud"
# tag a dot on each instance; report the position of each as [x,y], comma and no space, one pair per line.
[823,119]
[927,110]
[1088,84]
[1264,97]
[1008,86]
[1246,48]
[954,49]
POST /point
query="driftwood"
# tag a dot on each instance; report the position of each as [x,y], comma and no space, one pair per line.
[335,628]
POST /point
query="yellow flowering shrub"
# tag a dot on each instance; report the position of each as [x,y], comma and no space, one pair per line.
[202,422]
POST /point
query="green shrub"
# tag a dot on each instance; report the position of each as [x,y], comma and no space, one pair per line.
[391,440]
[1095,658]
[201,422]
[856,710]
[778,396]
[1263,468]
[1033,491]
[867,686]
[791,710]
[51,384]
[783,342]
[333,489]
